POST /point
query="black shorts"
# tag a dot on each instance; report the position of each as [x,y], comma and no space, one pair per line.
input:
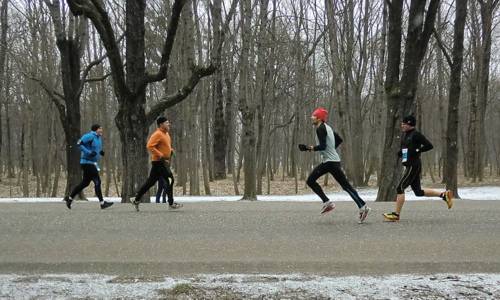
[411,177]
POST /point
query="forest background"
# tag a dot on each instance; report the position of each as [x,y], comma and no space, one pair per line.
[238,79]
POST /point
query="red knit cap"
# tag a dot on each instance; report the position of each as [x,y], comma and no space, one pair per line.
[320,113]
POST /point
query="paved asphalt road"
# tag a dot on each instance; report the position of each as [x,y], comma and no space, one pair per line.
[249,237]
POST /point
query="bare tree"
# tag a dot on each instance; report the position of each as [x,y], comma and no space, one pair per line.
[401,88]
[3,53]
[451,161]
[220,127]
[246,104]
[71,38]
[482,41]
[130,82]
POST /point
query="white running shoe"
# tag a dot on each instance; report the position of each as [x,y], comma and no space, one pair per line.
[328,206]
[363,213]
[175,205]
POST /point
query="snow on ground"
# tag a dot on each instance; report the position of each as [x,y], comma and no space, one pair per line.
[248,286]
[469,193]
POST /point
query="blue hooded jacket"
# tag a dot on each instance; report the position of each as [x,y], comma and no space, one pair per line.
[90,144]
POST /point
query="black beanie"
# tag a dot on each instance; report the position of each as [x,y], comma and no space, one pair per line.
[160,120]
[95,127]
[410,120]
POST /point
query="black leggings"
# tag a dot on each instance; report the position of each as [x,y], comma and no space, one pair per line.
[90,174]
[158,169]
[411,177]
[334,168]
[161,193]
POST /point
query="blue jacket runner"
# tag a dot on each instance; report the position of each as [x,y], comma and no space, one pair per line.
[90,146]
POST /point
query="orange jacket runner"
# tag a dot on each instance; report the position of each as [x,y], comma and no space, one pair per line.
[160,145]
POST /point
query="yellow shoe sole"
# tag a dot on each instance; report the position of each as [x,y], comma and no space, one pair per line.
[449,199]
[390,219]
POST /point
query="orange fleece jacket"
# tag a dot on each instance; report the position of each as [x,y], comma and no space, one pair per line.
[159,144]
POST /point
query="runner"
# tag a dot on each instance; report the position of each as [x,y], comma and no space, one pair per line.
[159,144]
[412,144]
[91,151]
[327,141]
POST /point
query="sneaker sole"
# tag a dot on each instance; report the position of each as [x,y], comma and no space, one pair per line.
[364,215]
[390,220]
[175,208]
[327,210]
[68,203]
[107,206]
[449,200]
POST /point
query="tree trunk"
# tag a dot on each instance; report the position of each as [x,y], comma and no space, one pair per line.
[204,152]
[70,50]
[441,87]
[130,83]
[400,93]
[24,165]
[3,53]
[247,107]
[231,132]
[451,161]
[10,165]
[131,122]
[261,79]
[220,135]
[487,11]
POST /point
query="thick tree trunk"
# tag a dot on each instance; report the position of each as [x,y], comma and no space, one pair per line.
[70,50]
[72,135]
[387,177]
[261,77]
[70,115]
[131,118]
[353,103]
[400,93]
[220,134]
[451,162]
[131,123]
[247,108]
[390,171]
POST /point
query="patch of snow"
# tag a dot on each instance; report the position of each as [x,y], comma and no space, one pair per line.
[468,193]
[446,286]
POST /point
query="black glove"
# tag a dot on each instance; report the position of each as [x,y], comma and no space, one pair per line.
[92,154]
[303,147]
[101,153]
